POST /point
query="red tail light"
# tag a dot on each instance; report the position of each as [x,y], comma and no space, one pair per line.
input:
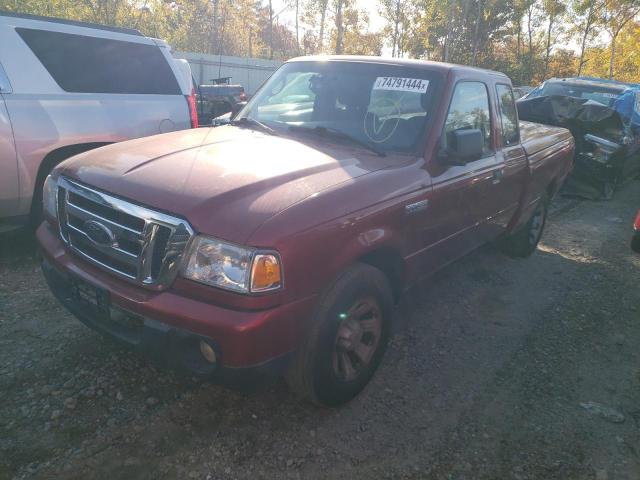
[243,96]
[193,111]
[636,225]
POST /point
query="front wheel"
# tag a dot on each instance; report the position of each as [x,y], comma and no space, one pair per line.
[525,241]
[346,340]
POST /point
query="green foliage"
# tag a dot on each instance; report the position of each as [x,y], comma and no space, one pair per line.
[529,40]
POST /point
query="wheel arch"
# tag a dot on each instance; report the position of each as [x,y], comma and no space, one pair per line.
[391,263]
[53,158]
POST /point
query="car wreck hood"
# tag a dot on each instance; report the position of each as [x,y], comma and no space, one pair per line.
[580,116]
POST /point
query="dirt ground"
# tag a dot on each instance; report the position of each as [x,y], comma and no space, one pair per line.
[500,369]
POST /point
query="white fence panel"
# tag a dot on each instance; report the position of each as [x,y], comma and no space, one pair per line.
[248,72]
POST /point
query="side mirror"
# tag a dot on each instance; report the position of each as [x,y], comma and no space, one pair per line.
[236,108]
[221,120]
[464,146]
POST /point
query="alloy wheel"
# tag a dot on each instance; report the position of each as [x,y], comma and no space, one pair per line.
[357,338]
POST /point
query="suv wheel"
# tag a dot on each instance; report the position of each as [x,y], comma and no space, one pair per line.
[525,241]
[348,335]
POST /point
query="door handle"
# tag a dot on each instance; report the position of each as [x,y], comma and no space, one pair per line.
[497,176]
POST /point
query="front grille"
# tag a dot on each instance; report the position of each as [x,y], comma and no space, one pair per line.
[134,242]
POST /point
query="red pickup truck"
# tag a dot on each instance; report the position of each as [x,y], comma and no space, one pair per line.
[280,242]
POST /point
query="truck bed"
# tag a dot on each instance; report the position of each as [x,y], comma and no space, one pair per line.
[536,137]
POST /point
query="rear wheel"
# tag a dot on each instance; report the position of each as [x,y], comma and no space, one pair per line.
[347,337]
[525,241]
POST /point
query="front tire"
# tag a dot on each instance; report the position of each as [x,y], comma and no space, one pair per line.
[346,340]
[525,241]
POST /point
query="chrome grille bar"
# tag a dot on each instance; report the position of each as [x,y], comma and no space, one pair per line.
[137,243]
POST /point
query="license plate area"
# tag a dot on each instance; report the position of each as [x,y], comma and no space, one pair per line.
[92,297]
[97,301]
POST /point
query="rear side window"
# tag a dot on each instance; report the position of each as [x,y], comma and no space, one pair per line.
[82,64]
[470,110]
[510,134]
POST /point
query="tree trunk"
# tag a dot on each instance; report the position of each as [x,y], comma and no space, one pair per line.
[518,39]
[530,33]
[631,14]
[297,27]
[323,19]
[270,30]
[548,52]
[530,30]
[214,42]
[474,55]
[339,29]
[585,36]
[446,47]
[395,29]
[402,35]
[613,54]
[221,50]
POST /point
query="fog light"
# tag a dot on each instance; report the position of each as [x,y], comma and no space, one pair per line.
[207,352]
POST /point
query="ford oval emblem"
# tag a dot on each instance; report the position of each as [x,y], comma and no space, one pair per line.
[98,233]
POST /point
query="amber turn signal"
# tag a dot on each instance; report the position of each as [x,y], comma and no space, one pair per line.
[266,273]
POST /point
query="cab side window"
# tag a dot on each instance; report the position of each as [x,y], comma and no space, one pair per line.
[470,110]
[508,116]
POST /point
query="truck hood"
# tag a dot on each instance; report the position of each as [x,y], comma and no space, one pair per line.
[225,181]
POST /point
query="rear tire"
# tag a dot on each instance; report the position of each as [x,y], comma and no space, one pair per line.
[346,338]
[525,241]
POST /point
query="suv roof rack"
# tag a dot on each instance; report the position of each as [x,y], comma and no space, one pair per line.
[77,23]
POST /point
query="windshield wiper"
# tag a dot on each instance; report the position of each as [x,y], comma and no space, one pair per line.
[335,133]
[251,122]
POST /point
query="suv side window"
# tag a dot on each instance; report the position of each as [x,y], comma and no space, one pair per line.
[469,109]
[82,64]
[508,115]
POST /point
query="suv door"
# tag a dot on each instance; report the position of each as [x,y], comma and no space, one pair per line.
[9,186]
[461,200]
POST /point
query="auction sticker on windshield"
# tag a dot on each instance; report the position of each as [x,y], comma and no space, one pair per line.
[400,84]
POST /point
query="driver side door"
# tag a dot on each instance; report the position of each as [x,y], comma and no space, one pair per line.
[461,202]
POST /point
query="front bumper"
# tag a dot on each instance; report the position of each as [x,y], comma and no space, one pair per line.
[168,327]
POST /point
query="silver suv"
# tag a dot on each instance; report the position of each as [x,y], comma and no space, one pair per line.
[67,87]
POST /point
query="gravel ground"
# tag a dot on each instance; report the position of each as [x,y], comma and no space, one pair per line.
[499,369]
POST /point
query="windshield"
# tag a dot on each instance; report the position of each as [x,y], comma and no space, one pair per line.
[604,95]
[381,105]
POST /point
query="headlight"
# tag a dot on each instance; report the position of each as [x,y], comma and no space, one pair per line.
[232,267]
[50,197]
